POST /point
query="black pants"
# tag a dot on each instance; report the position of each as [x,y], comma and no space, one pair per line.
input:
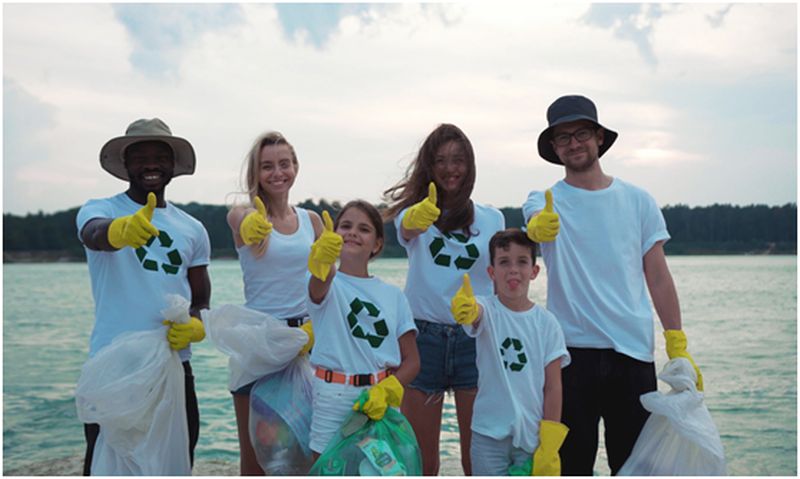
[91,431]
[602,383]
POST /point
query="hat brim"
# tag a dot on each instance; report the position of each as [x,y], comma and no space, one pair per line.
[546,150]
[112,161]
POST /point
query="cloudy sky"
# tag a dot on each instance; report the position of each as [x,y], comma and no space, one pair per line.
[704,97]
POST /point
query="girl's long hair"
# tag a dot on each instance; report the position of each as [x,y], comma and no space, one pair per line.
[413,188]
[253,185]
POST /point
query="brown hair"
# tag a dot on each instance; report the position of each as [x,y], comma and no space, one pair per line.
[414,185]
[374,217]
[503,239]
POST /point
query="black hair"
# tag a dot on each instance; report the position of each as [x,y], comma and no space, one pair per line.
[503,239]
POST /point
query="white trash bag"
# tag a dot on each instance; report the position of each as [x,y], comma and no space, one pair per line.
[679,438]
[134,388]
[256,343]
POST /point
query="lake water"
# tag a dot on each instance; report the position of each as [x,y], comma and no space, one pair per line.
[739,312]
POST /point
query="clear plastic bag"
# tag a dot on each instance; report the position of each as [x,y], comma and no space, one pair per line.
[256,343]
[679,438]
[280,420]
[134,388]
[363,447]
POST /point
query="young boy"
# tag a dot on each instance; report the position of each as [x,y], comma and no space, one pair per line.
[520,353]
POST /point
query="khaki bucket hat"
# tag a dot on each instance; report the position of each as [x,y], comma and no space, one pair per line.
[112,155]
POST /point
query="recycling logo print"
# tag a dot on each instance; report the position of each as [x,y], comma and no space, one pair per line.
[461,261]
[513,357]
[173,256]
[380,330]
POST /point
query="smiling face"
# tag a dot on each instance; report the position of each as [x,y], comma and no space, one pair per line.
[362,240]
[512,270]
[277,169]
[150,166]
[578,155]
[450,167]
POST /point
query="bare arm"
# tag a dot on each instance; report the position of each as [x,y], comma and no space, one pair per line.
[408,235]
[318,289]
[235,217]
[94,235]
[661,287]
[409,358]
[316,222]
[200,285]
[552,391]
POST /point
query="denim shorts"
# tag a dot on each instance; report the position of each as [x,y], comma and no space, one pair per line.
[447,358]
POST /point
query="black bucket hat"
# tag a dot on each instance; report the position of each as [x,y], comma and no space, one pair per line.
[571,108]
[113,152]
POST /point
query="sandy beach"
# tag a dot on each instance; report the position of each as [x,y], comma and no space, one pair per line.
[73,466]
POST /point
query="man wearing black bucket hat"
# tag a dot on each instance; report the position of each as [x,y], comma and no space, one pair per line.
[602,242]
[140,247]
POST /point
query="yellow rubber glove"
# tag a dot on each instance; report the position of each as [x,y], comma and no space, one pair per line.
[309,330]
[546,461]
[134,230]
[388,392]
[543,227]
[180,335]
[423,214]
[676,348]
[325,250]
[463,305]
[255,226]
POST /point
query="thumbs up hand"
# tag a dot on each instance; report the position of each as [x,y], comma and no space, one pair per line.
[325,250]
[463,305]
[543,227]
[423,214]
[255,226]
[134,230]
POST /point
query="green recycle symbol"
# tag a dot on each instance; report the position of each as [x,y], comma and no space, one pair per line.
[173,255]
[381,330]
[461,262]
[515,364]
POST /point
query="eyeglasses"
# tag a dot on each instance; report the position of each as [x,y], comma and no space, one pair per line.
[581,135]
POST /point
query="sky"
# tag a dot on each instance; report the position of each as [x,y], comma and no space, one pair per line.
[703,96]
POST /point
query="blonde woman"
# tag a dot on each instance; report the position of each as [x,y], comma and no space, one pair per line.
[273,240]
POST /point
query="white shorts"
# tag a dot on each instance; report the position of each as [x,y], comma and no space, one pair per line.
[332,403]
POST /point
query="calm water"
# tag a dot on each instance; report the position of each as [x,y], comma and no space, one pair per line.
[740,314]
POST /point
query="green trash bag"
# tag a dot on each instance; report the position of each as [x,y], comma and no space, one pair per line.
[363,447]
[524,469]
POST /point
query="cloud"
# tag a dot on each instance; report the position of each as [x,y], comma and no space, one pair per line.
[358,104]
[633,22]
[160,32]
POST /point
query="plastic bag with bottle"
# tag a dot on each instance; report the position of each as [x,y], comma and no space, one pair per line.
[363,447]
[280,420]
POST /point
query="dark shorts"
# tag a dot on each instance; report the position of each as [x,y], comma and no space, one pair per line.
[447,358]
[602,383]
[91,431]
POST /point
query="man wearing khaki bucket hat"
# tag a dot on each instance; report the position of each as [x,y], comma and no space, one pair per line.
[602,243]
[139,247]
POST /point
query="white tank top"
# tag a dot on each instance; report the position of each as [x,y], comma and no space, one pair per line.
[276,282]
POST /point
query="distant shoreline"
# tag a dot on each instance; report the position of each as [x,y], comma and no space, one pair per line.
[70,257]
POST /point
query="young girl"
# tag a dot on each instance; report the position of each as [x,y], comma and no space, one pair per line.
[367,334]
[272,239]
[446,234]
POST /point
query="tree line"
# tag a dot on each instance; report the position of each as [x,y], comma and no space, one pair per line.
[715,229]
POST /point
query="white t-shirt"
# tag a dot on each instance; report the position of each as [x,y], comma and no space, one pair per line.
[276,282]
[357,325]
[595,267]
[513,348]
[129,285]
[437,263]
